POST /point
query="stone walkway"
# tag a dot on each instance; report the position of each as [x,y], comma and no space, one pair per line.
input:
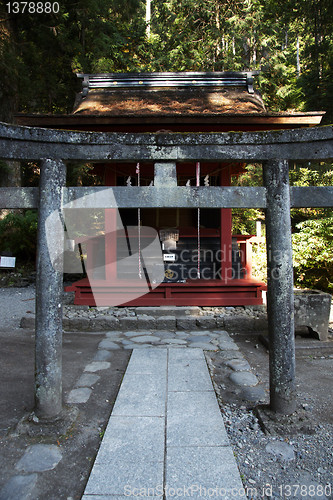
[166,434]
[210,340]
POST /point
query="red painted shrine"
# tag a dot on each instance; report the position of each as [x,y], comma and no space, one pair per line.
[205,264]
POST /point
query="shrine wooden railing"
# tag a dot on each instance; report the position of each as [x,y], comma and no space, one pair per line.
[275,149]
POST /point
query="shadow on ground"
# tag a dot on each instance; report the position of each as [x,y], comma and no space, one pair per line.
[79,445]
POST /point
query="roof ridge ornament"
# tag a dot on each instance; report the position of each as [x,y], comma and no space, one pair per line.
[192,79]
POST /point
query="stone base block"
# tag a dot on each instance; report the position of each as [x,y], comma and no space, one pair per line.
[186,323]
[130,323]
[168,311]
[104,323]
[206,322]
[312,309]
[166,323]
[239,323]
[146,322]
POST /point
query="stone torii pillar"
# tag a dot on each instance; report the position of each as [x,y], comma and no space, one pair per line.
[280,288]
[49,291]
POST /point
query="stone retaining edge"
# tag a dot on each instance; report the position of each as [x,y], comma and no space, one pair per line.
[233,324]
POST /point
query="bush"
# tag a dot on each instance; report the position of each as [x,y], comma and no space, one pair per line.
[313,254]
[18,235]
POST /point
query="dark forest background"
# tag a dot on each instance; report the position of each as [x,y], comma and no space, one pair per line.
[291,43]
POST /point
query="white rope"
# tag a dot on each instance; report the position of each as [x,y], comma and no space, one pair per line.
[137,171]
[198,184]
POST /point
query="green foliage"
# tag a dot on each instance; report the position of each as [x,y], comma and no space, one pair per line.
[312,230]
[259,261]
[310,174]
[82,174]
[18,235]
[313,254]
[244,220]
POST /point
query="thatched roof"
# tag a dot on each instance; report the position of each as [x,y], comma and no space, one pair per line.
[168,94]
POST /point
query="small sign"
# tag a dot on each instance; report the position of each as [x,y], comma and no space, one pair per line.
[7,261]
[169,257]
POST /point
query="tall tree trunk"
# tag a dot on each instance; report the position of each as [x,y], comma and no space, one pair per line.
[148,17]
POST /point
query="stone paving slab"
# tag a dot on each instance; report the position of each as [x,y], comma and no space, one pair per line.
[184,376]
[19,487]
[203,470]
[201,424]
[112,497]
[141,395]
[150,362]
[127,438]
[165,432]
[117,476]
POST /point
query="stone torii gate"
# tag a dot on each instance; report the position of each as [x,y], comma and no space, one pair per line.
[274,149]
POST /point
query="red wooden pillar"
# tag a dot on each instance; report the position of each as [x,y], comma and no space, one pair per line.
[110,231]
[246,258]
[226,230]
[248,264]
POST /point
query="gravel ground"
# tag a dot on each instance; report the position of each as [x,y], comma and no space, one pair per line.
[276,467]
[294,464]
[14,303]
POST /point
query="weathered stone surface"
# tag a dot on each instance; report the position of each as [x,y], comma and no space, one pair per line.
[95,366]
[68,298]
[238,323]
[254,394]
[220,322]
[238,365]
[128,323]
[189,310]
[113,334]
[280,287]
[168,311]
[145,339]
[206,322]
[166,323]
[243,378]
[222,335]
[203,345]
[27,322]
[155,311]
[18,144]
[227,345]
[105,322]
[146,322]
[132,334]
[19,487]
[39,458]
[75,324]
[102,355]
[260,324]
[186,322]
[87,380]
[312,309]
[281,449]
[181,335]
[80,395]
[108,345]
[174,341]
[199,338]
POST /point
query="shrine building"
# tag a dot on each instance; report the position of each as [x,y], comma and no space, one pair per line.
[205,262]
